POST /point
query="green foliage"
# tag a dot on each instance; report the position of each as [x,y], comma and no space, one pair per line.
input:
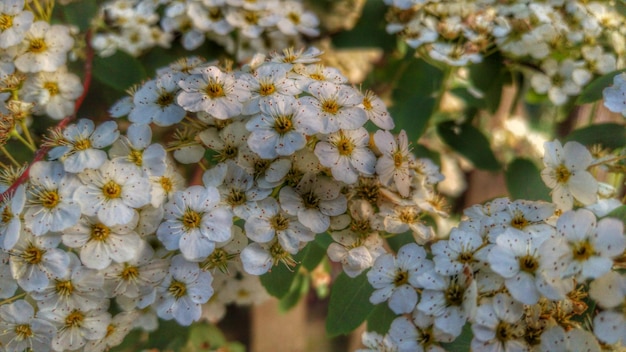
[609,135]
[468,141]
[170,335]
[79,13]
[349,304]
[399,240]
[119,71]
[523,181]
[463,342]
[619,213]
[593,91]
[380,319]
[299,288]
[278,280]
[369,30]
[415,96]
[489,77]
[207,337]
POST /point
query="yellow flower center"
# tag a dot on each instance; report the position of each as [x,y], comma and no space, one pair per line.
[214,89]
[49,198]
[401,278]
[279,222]
[111,190]
[582,251]
[52,88]
[236,197]
[82,144]
[345,146]
[165,99]
[7,215]
[166,183]
[177,289]
[519,221]
[454,295]
[6,21]
[267,89]
[367,104]
[33,255]
[528,263]
[330,106]
[504,331]
[100,232]
[251,17]
[110,330]
[310,200]
[398,158]
[283,124]
[562,174]
[74,319]
[64,288]
[191,219]
[130,273]
[37,45]
[23,332]
[136,157]
[294,17]
[407,215]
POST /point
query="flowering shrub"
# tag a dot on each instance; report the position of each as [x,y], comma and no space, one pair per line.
[218,157]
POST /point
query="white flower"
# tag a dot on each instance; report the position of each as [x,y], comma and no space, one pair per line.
[347,155]
[15,22]
[309,77]
[155,101]
[22,331]
[395,278]
[182,292]
[113,192]
[10,222]
[280,129]
[403,218]
[566,173]
[51,206]
[517,259]
[354,252]
[393,166]
[194,222]
[294,20]
[76,327]
[213,91]
[615,95]
[79,146]
[497,325]
[118,328]
[44,48]
[460,250]
[8,285]
[135,148]
[376,111]
[314,200]
[266,82]
[37,260]
[54,93]
[556,339]
[336,106]
[560,80]
[99,244]
[374,342]
[581,248]
[609,291]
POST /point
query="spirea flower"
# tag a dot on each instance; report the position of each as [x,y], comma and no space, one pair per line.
[22,330]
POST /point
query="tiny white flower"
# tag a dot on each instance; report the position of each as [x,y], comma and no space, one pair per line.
[15,22]
[37,260]
[45,48]
[497,325]
[155,102]
[336,106]
[393,166]
[347,155]
[22,331]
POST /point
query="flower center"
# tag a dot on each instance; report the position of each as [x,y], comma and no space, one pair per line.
[267,89]
[33,255]
[504,331]
[23,332]
[64,288]
[519,221]
[407,215]
[100,232]
[279,254]
[52,88]
[310,200]
[398,158]
[74,319]
[279,222]
[283,124]
[330,106]
[294,17]
[345,146]
[177,289]
[111,190]
[401,278]
[37,45]
[214,89]
[465,257]
[215,14]
[110,330]
[191,219]
[251,17]
[49,198]
[236,197]
[454,295]
[528,263]
[136,157]
[367,104]
[562,174]
[130,273]
[166,183]
[6,21]
[82,144]
[165,99]
[582,251]
[7,215]
[218,259]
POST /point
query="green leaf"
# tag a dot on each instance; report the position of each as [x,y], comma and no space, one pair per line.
[80,13]
[593,91]
[380,319]
[399,240]
[314,255]
[278,280]
[468,141]
[489,76]
[523,180]
[299,288]
[204,337]
[463,342]
[618,213]
[349,304]
[368,32]
[414,97]
[469,98]
[609,135]
[119,71]
[169,335]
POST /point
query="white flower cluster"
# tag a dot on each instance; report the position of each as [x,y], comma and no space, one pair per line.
[33,57]
[517,271]
[241,27]
[107,221]
[569,40]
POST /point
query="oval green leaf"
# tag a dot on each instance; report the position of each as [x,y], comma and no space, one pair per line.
[349,304]
[119,71]
[468,141]
[523,180]
[609,135]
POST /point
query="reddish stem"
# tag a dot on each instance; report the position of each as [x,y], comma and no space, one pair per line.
[41,152]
